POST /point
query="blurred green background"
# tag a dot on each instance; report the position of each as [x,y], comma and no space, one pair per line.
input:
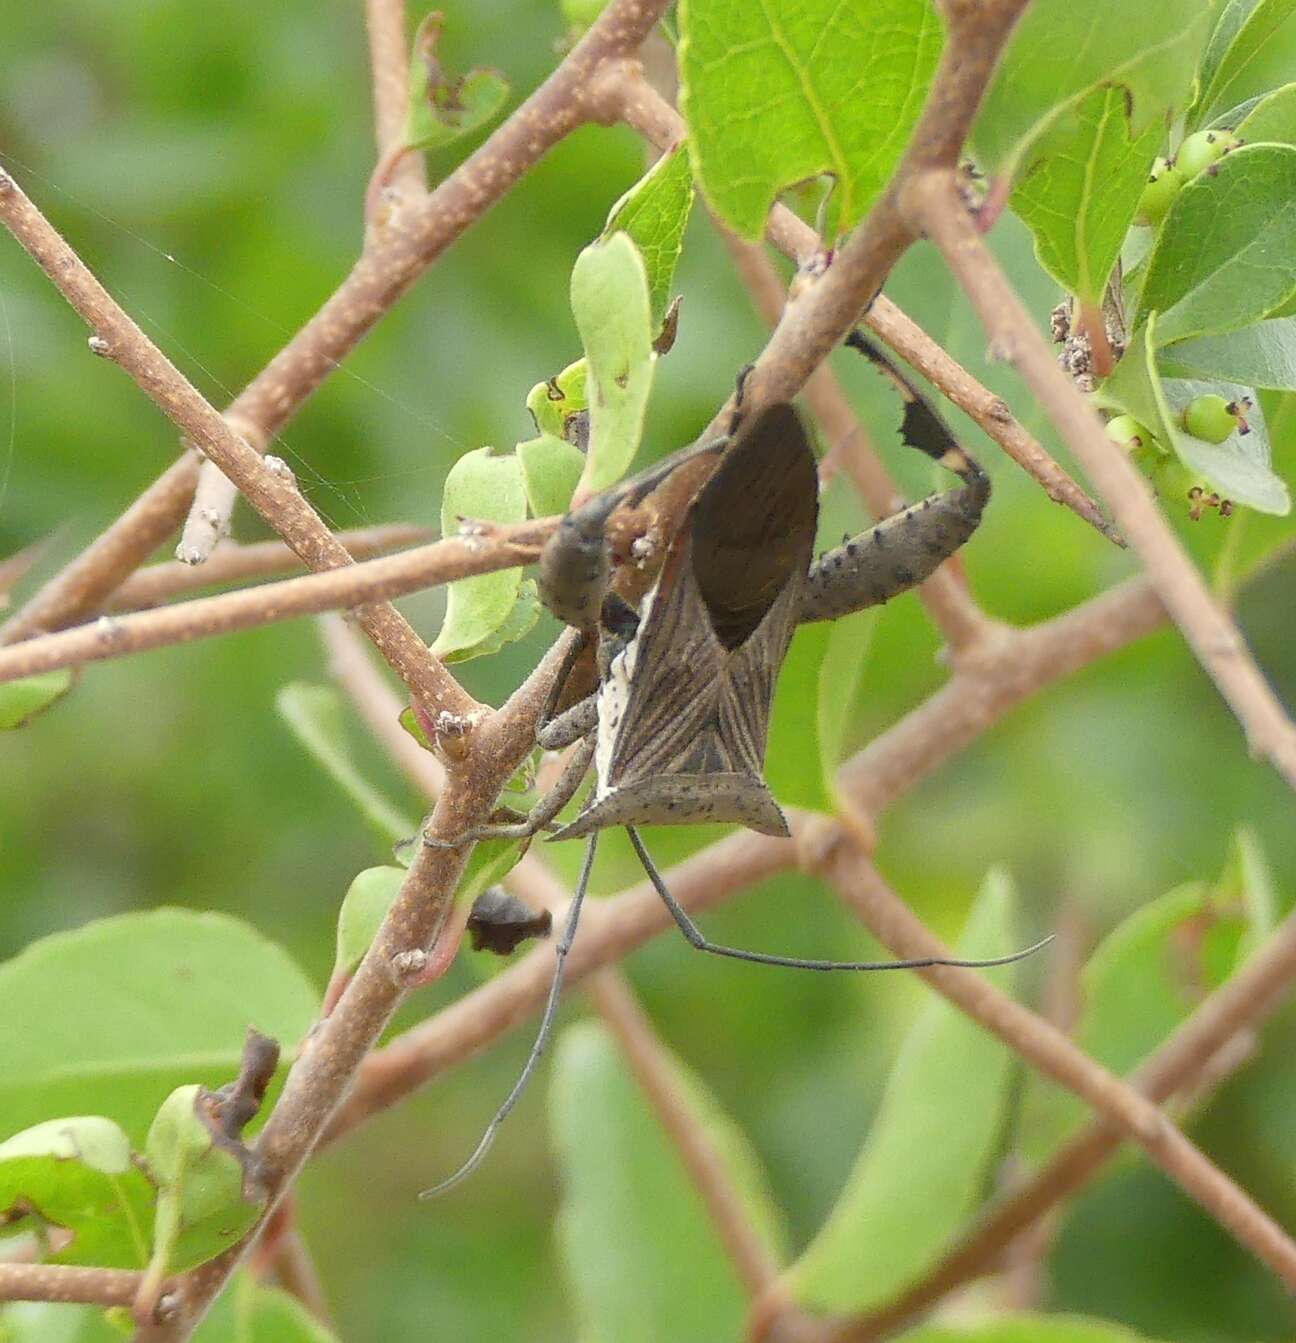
[209,163]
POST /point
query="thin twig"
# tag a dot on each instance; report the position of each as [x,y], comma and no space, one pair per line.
[66,1282]
[1235,1009]
[357,586]
[1044,1046]
[933,203]
[642,108]
[393,258]
[158,583]
[267,484]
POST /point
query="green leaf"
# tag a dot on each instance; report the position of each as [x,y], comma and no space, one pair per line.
[486,485]
[637,1243]
[490,862]
[77,1174]
[519,622]
[554,402]
[1248,882]
[1027,1329]
[1226,253]
[364,907]
[114,1015]
[1263,355]
[1252,50]
[1081,192]
[812,707]
[1239,467]
[1148,975]
[21,701]
[551,470]
[201,1211]
[1272,119]
[409,720]
[774,94]
[45,1322]
[654,213]
[1061,51]
[923,1166]
[609,297]
[248,1312]
[317,717]
[442,108]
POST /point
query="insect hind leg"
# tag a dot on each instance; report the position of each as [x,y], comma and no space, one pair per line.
[696,938]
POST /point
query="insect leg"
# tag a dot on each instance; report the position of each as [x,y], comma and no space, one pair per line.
[563,946]
[539,817]
[696,939]
[908,547]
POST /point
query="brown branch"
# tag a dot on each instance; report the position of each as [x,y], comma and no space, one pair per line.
[643,109]
[393,258]
[934,205]
[1235,1009]
[262,559]
[1052,1053]
[353,586]
[944,594]
[65,1282]
[267,484]
[389,56]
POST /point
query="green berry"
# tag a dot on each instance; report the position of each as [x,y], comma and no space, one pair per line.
[1212,417]
[1129,432]
[1164,184]
[1203,148]
[1176,484]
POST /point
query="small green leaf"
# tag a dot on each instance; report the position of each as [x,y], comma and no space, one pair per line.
[812,704]
[491,861]
[554,402]
[551,468]
[114,1015]
[21,701]
[1061,50]
[485,485]
[1248,881]
[637,1243]
[937,1130]
[364,907]
[77,1175]
[250,1312]
[409,720]
[609,297]
[1272,119]
[1027,1329]
[519,622]
[774,94]
[441,108]
[1252,50]
[200,1206]
[1082,188]
[317,717]
[1263,355]
[1226,254]
[654,213]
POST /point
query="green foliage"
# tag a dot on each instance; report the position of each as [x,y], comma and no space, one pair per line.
[111,1017]
[1027,1329]
[771,96]
[879,1238]
[21,701]
[364,907]
[486,611]
[1060,52]
[610,301]
[1251,51]
[1273,118]
[551,468]
[441,108]
[1080,195]
[317,718]
[654,213]
[641,1253]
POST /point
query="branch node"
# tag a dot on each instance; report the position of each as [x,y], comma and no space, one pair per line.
[408,965]
[278,467]
[100,347]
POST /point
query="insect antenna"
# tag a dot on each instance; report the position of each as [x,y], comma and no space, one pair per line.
[542,1035]
[696,939]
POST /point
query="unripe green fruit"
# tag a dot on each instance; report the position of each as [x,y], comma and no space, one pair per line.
[1129,432]
[1211,417]
[1176,484]
[1202,149]
[1164,184]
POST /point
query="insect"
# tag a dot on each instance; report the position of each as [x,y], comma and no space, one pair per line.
[676,728]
